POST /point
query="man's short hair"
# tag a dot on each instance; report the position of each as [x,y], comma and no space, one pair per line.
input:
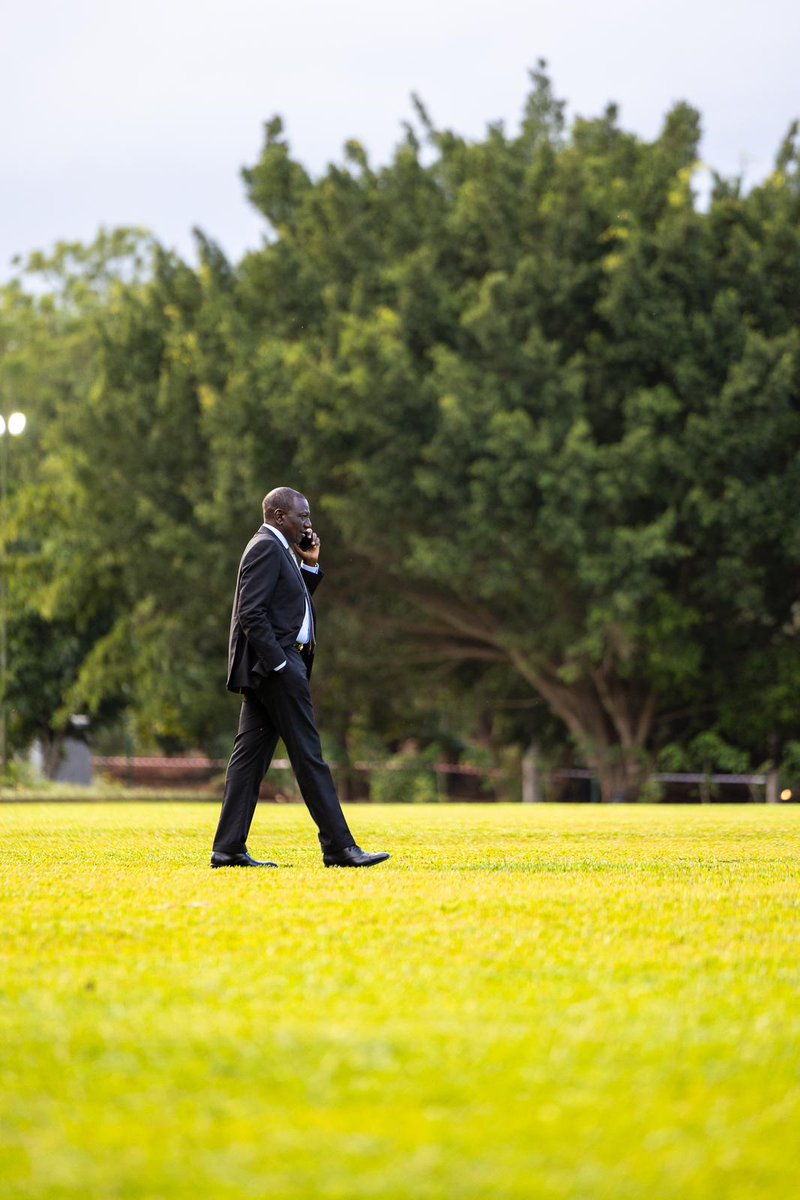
[279,497]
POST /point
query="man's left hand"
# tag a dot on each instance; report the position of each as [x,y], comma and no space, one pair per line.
[310,556]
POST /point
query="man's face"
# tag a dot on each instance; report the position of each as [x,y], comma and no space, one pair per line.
[294,521]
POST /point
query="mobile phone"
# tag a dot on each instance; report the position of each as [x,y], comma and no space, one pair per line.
[306,541]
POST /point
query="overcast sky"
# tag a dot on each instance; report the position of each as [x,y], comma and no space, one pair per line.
[143,112]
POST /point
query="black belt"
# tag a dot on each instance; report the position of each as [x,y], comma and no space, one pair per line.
[303,647]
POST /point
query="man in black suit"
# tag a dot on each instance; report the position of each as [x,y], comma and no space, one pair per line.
[271,653]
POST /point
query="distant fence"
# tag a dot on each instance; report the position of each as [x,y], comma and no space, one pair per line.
[452,781]
[459,781]
[165,771]
[688,787]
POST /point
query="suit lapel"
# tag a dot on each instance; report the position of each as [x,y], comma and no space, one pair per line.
[307,595]
[290,555]
[285,550]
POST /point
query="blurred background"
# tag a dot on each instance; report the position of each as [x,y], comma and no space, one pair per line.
[513,296]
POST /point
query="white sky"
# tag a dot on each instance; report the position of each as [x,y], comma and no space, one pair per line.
[142,112]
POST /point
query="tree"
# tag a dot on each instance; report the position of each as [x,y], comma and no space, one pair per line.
[545,407]
[566,399]
[47,365]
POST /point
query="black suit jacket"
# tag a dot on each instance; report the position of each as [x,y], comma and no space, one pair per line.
[268,609]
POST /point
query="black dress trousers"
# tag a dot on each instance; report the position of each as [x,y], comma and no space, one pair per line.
[280,705]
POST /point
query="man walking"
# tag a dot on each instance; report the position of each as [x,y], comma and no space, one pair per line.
[271,653]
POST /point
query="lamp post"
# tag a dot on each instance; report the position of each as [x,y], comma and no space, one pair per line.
[11,427]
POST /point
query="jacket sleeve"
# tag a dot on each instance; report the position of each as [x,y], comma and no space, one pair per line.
[312,579]
[258,575]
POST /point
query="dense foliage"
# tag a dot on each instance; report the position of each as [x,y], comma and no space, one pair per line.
[546,406]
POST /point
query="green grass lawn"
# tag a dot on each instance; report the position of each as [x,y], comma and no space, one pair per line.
[565,1002]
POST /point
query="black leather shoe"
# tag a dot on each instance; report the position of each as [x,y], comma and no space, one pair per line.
[220,859]
[352,856]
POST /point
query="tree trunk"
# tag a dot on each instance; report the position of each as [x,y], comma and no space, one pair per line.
[705,786]
[621,780]
[609,721]
[610,717]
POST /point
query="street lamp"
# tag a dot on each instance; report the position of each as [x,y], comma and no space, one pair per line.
[13,426]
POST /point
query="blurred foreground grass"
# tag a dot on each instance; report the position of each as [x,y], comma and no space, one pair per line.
[552,1002]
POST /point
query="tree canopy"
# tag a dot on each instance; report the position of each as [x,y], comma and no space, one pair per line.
[544,401]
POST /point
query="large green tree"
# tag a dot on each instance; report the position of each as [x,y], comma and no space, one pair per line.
[555,403]
[545,405]
[48,366]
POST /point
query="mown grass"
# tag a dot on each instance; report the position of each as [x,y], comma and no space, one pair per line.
[552,1002]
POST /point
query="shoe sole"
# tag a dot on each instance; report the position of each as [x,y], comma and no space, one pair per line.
[351,866]
[226,866]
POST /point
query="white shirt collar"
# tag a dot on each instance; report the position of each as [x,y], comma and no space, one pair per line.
[277,533]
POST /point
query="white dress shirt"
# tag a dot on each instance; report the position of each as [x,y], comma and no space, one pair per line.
[304,633]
